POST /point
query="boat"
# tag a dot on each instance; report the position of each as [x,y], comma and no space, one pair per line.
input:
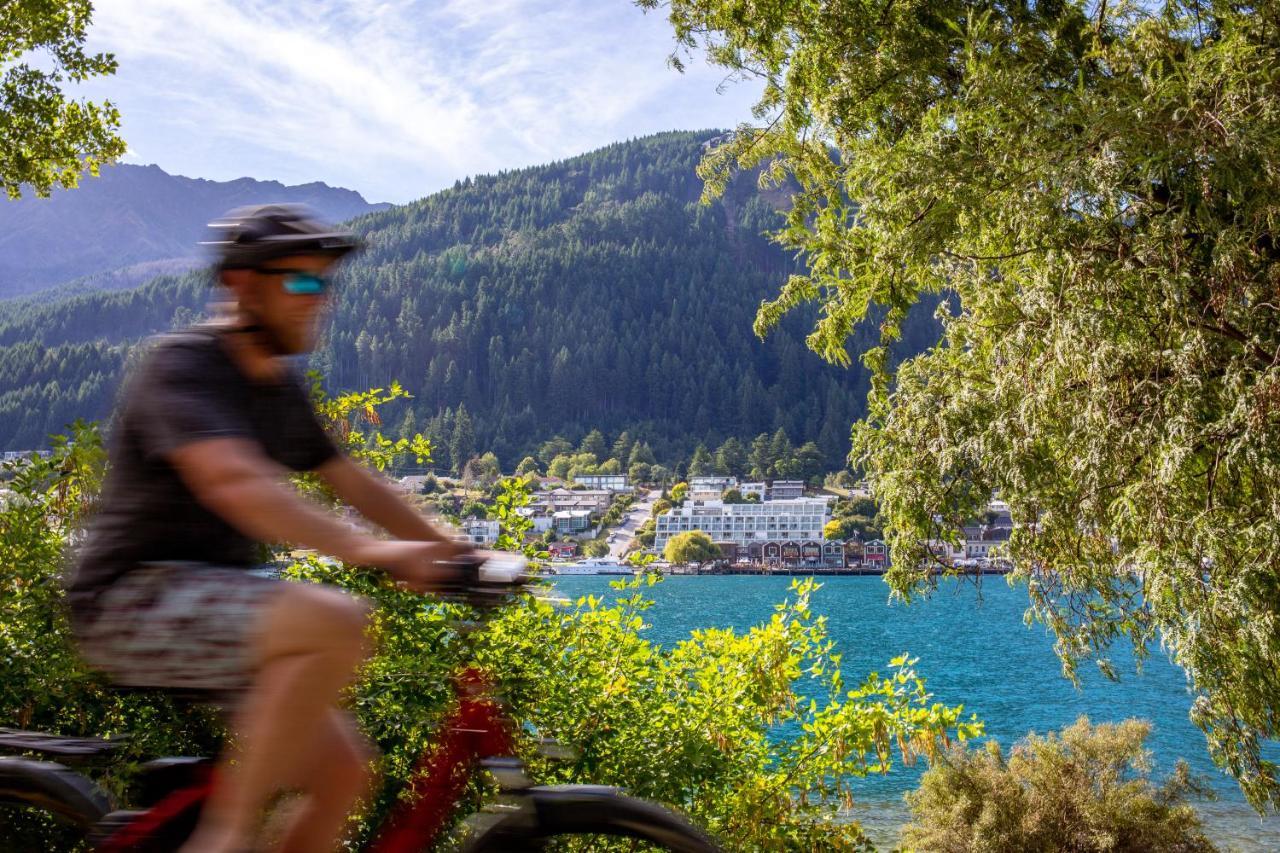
[595,566]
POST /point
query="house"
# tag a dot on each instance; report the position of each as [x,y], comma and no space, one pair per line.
[481,531]
[785,490]
[875,553]
[571,522]
[607,482]
[983,541]
[540,518]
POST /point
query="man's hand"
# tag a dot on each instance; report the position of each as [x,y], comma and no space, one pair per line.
[420,566]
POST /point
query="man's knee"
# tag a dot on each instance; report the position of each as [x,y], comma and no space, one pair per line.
[312,617]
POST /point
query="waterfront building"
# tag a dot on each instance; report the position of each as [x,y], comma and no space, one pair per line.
[774,533]
[875,553]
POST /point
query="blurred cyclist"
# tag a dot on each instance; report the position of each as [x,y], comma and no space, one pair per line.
[208,430]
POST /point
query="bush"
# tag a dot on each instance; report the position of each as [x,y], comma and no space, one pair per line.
[1086,789]
[713,725]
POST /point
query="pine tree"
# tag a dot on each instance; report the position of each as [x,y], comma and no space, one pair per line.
[731,458]
[780,454]
[594,444]
[701,464]
[462,445]
[760,458]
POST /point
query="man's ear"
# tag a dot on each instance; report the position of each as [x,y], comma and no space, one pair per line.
[235,280]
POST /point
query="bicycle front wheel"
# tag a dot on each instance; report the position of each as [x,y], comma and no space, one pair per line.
[579,812]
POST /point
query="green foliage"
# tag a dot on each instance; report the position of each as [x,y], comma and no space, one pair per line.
[1086,789]
[702,463]
[732,496]
[678,493]
[714,724]
[43,684]
[594,547]
[1095,187]
[692,546]
[46,138]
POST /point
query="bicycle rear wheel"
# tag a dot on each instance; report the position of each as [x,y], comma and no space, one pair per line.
[52,788]
[569,811]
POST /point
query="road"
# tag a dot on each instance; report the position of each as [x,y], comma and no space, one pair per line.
[626,530]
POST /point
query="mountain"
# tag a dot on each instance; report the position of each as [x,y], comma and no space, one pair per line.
[596,292]
[115,227]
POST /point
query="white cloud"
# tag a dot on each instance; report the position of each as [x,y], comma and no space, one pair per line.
[391,97]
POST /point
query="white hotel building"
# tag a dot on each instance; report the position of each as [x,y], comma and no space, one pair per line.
[781,532]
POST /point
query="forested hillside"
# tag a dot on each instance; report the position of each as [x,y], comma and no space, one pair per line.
[116,228]
[592,293]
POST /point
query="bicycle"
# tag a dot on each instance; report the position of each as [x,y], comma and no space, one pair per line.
[477,733]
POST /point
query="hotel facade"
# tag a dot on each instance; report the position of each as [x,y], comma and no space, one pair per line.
[780,532]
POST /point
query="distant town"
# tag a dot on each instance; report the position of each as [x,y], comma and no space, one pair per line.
[598,523]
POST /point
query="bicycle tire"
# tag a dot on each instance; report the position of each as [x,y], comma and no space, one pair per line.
[566,810]
[53,788]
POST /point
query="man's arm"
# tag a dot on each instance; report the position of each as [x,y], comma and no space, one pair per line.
[235,480]
[377,501]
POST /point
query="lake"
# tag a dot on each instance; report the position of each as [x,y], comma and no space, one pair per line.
[973,648]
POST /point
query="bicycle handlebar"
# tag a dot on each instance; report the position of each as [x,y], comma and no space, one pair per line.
[489,578]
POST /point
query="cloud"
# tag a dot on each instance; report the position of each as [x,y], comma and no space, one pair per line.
[392,97]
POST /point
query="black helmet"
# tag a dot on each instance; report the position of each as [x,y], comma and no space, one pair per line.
[248,236]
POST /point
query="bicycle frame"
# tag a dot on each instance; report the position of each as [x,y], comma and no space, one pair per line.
[476,728]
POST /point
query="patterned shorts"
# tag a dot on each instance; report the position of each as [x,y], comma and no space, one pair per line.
[183,626]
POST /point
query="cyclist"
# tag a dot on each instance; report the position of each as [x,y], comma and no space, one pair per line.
[208,429]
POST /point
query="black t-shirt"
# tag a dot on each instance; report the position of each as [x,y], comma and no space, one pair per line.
[186,389]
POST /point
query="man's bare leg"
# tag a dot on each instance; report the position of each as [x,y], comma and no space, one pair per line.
[337,775]
[309,645]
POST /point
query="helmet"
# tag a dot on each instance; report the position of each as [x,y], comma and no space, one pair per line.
[248,236]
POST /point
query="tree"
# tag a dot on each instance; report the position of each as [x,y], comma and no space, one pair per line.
[760,459]
[550,449]
[679,491]
[1108,360]
[593,443]
[462,444]
[640,472]
[621,449]
[702,463]
[660,506]
[780,452]
[527,466]
[559,467]
[810,463]
[46,138]
[692,546]
[731,458]
[640,452]
[482,471]
[732,496]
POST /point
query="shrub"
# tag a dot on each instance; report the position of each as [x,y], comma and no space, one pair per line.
[754,734]
[1085,789]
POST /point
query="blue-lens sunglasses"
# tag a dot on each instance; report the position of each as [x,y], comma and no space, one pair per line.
[301,283]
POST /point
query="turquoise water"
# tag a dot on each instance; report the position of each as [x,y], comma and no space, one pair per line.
[973,648]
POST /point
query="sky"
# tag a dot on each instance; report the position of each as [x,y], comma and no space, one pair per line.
[393,98]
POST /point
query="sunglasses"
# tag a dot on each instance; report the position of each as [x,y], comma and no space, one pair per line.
[302,283]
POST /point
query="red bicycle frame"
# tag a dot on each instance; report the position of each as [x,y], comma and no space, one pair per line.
[476,728]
